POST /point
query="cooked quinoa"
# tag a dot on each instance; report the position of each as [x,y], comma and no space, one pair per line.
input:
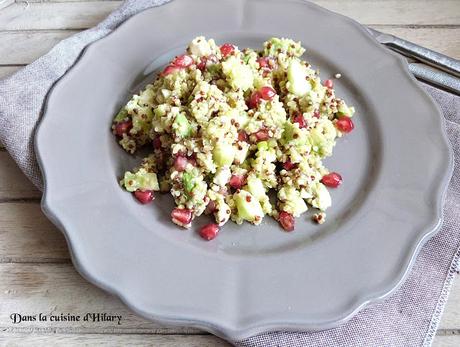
[227,127]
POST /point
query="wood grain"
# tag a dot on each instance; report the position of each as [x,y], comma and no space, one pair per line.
[46,15]
[13,183]
[6,71]
[451,316]
[446,341]
[27,236]
[30,288]
[5,3]
[110,340]
[24,47]
[53,289]
[84,14]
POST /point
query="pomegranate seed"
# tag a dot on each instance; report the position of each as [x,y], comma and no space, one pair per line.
[287,221]
[236,181]
[242,136]
[209,231]
[264,62]
[192,160]
[316,114]
[332,180]
[254,101]
[123,127]
[289,165]
[183,61]
[211,207]
[180,163]
[183,216]
[345,124]
[202,64]
[144,196]
[227,49]
[300,120]
[169,70]
[329,84]
[262,135]
[267,93]
[156,143]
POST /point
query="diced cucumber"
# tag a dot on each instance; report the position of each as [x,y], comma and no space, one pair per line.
[241,154]
[223,154]
[256,187]
[140,180]
[292,201]
[297,77]
[262,145]
[182,125]
[248,207]
[121,115]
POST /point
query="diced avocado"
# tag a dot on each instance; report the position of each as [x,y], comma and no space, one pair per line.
[214,69]
[188,181]
[141,179]
[297,77]
[223,154]
[121,115]
[262,145]
[248,207]
[182,125]
[256,187]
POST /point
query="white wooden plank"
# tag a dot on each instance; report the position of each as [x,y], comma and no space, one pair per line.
[24,47]
[5,3]
[47,15]
[53,289]
[26,235]
[451,317]
[25,340]
[13,183]
[71,15]
[57,288]
[446,341]
[6,71]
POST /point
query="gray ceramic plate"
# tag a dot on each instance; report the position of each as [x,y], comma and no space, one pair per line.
[395,165]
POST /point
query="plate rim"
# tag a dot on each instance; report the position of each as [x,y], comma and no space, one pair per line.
[254,329]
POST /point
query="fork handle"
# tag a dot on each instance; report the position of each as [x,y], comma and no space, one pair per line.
[435,59]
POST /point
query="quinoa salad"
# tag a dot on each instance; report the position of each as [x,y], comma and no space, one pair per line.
[238,134]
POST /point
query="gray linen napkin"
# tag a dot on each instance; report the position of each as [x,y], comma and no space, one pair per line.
[408,318]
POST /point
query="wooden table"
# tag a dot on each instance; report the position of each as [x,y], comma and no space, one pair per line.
[36,274]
